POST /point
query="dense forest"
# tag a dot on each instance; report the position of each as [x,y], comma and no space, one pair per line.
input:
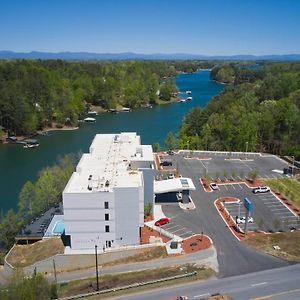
[35,198]
[260,109]
[35,94]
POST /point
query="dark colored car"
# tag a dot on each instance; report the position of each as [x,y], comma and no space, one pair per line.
[166,163]
[162,221]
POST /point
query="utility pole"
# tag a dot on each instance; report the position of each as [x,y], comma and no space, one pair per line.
[293,157]
[246,149]
[97,274]
[54,268]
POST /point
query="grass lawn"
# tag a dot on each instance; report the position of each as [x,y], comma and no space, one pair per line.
[25,255]
[144,255]
[288,187]
[287,241]
[118,280]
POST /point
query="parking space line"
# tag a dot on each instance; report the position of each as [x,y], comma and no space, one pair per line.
[283,213]
[188,233]
[266,196]
[272,202]
[173,231]
[171,227]
[269,200]
[233,186]
[246,165]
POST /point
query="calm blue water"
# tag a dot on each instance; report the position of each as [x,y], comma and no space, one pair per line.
[17,165]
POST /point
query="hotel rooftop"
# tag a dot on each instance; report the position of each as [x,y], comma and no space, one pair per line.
[110,163]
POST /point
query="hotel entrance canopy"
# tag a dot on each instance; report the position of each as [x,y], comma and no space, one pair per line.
[173,185]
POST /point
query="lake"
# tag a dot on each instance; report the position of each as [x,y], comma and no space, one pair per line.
[17,165]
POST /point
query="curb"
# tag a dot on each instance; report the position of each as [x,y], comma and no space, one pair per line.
[232,231]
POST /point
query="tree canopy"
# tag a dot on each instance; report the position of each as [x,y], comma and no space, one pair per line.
[260,107]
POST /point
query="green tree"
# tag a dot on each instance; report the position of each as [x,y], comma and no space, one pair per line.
[9,227]
[22,287]
[156,147]
[26,198]
[166,90]
[253,175]
[170,141]
[148,209]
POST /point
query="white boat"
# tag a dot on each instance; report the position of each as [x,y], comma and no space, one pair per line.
[92,113]
[182,100]
[126,109]
[189,98]
[188,92]
[89,120]
[27,146]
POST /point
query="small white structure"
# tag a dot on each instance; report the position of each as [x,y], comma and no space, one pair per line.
[104,199]
[180,185]
[89,120]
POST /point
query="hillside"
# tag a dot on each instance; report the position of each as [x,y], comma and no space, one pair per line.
[259,110]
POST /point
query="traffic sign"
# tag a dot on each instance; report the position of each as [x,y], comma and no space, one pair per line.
[248,205]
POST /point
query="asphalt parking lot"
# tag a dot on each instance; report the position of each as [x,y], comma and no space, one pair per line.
[178,230]
[233,256]
[269,213]
[228,166]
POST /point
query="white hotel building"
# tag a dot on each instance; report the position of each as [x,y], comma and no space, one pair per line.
[104,199]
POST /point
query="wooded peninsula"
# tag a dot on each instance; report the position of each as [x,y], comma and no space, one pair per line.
[259,109]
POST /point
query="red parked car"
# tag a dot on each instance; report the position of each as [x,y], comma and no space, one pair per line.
[162,221]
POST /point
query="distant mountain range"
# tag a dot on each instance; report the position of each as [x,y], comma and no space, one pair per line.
[138,56]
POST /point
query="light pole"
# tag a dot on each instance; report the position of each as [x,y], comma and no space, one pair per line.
[188,144]
[246,149]
[239,203]
[97,273]
[293,157]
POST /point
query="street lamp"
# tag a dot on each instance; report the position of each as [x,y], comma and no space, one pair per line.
[246,149]
[239,203]
[188,145]
[97,273]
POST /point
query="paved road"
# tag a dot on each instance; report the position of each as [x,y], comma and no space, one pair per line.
[207,257]
[279,284]
[233,256]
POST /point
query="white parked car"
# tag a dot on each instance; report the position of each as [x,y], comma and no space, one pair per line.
[261,189]
[242,220]
[214,186]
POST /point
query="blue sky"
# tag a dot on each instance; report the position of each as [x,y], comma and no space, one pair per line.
[210,27]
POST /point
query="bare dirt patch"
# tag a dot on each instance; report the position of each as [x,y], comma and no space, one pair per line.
[196,243]
[26,255]
[288,243]
[143,255]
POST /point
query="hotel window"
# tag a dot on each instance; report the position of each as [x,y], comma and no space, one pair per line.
[106,205]
[106,228]
[106,217]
